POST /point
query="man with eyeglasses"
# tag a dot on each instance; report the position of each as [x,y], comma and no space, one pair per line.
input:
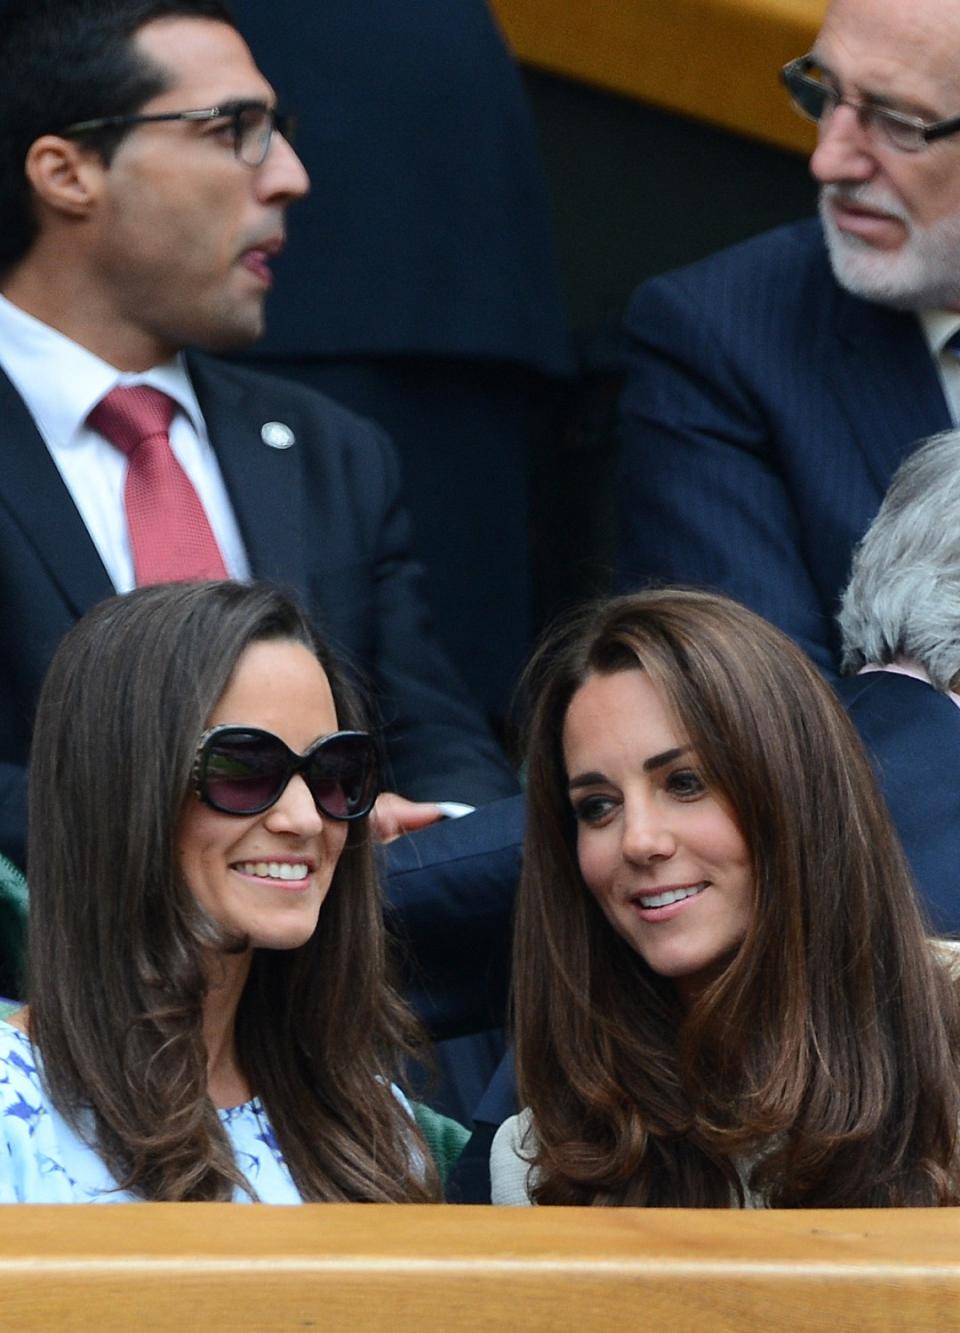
[774,388]
[145,178]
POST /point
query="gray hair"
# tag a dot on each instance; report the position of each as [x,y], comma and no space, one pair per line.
[903,598]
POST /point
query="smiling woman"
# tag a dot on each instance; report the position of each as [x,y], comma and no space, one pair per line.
[209,1016]
[658,849]
[724,992]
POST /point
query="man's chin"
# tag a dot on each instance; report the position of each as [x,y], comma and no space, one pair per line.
[904,279]
[868,273]
[235,338]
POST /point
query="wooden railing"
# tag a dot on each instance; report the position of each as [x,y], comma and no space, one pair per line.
[716,60]
[333,1267]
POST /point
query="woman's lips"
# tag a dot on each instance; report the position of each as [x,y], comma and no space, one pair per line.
[284,874]
[665,903]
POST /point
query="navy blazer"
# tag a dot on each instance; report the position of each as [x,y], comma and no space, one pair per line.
[912,733]
[322,518]
[450,900]
[764,414]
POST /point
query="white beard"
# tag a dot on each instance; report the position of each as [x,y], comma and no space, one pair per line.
[924,274]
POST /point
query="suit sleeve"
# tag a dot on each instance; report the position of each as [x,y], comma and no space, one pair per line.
[450,894]
[704,492]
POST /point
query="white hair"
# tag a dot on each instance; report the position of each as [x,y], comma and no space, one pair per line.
[903,598]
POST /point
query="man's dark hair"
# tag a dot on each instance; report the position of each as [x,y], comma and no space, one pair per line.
[65,61]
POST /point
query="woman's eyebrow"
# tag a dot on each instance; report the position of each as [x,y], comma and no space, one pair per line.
[649,765]
[665,757]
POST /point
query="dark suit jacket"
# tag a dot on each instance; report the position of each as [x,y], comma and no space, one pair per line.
[450,895]
[764,414]
[912,733]
[322,518]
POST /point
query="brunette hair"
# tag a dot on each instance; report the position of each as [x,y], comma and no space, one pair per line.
[117,943]
[826,1054]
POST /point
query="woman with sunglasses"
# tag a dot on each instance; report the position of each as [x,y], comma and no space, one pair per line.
[724,992]
[209,1016]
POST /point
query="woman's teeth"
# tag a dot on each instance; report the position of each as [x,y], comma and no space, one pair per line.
[670,896]
[273,869]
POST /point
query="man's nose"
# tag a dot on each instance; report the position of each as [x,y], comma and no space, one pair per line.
[282,177]
[844,150]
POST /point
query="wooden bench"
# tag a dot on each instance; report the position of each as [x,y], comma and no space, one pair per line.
[716,60]
[213,1266]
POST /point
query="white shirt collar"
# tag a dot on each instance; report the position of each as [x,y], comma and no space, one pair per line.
[939,326]
[28,351]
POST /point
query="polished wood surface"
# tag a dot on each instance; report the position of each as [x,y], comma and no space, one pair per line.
[716,60]
[215,1266]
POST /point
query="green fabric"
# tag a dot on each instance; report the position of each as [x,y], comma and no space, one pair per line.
[445,1137]
[13,928]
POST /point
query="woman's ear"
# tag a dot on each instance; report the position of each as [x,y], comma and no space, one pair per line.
[66,176]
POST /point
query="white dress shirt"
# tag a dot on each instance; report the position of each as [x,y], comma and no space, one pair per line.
[60,383]
[938,327]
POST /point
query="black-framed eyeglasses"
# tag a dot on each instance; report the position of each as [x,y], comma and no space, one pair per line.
[244,770]
[816,97]
[252,125]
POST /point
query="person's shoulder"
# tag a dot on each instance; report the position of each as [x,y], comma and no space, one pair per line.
[947,953]
[795,243]
[21,1085]
[14,1043]
[514,1145]
[277,395]
[893,699]
[30,1171]
[17,1057]
[794,254]
[518,1132]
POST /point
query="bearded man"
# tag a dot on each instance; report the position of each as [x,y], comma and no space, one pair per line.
[774,388]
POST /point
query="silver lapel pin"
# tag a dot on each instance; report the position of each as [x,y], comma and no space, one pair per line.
[277,435]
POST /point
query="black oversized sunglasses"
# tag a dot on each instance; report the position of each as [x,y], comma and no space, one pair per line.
[245,770]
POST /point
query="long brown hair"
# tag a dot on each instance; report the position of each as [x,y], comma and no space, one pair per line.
[827,1051]
[117,943]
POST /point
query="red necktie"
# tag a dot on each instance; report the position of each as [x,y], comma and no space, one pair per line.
[170,534]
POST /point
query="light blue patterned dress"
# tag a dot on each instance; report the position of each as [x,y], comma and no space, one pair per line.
[44,1160]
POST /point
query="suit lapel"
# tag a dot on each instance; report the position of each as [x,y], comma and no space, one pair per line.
[887,383]
[264,483]
[33,490]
